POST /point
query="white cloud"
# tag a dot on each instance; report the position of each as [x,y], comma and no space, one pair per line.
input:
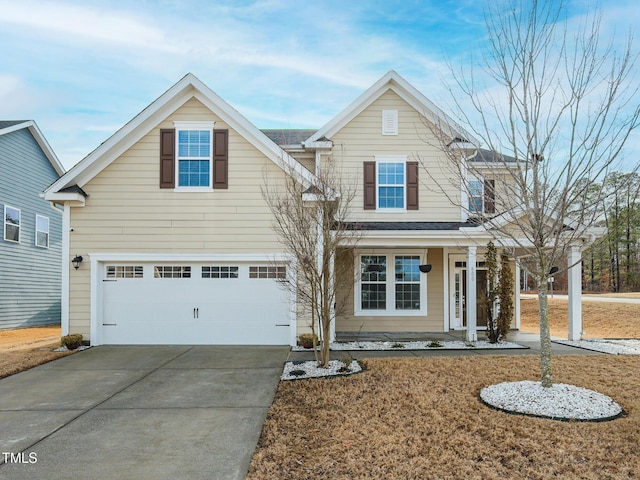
[71,23]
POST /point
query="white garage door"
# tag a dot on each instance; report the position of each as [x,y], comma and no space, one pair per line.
[189,304]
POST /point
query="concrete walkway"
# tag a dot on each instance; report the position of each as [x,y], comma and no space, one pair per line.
[138,412]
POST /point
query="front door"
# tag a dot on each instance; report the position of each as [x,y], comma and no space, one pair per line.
[458,310]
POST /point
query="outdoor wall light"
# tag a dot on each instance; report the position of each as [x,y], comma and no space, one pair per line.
[425,268]
[77,260]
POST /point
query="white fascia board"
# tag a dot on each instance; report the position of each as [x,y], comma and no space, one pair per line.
[76,199]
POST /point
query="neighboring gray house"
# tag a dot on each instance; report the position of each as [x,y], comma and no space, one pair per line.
[31,238]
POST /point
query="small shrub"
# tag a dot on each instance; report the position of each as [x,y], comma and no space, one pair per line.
[397,345]
[434,344]
[71,341]
[308,340]
[346,360]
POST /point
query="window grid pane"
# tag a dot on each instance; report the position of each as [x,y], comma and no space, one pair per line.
[219,272]
[373,274]
[407,279]
[391,184]
[279,273]
[167,271]
[194,158]
[124,271]
[476,196]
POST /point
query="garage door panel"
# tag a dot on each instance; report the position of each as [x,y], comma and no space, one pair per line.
[235,310]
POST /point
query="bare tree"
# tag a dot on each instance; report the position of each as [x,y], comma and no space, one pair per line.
[311,223]
[559,107]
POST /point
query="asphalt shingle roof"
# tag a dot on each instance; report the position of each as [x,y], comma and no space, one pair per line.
[288,136]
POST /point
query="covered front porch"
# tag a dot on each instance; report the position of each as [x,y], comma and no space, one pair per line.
[417,286]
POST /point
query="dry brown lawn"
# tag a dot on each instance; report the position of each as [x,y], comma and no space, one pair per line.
[599,319]
[420,418]
[25,348]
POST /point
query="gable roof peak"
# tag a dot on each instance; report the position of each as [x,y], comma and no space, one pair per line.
[392,80]
[189,86]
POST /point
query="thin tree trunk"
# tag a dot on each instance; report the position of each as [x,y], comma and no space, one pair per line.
[545,335]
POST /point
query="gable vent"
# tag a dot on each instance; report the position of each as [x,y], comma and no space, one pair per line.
[390,122]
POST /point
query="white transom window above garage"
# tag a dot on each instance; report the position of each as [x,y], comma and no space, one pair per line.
[390,284]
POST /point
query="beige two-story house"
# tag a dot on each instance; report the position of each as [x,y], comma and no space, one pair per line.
[170,241]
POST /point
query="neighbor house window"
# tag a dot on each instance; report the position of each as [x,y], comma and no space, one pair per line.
[11,224]
[42,231]
[390,285]
[391,184]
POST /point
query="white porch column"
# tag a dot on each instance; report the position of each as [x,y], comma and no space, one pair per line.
[472,330]
[517,302]
[332,286]
[574,277]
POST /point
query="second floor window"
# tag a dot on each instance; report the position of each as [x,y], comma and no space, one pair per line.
[391,185]
[476,195]
[194,158]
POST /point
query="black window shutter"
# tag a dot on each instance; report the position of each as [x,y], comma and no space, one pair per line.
[489,196]
[167,158]
[221,159]
[369,185]
[412,185]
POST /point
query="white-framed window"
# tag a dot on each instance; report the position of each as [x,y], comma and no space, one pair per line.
[194,155]
[42,231]
[171,271]
[373,282]
[389,122]
[124,271]
[476,195]
[407,282]
[12,218]
[390,285]
[215,271]
[391,189]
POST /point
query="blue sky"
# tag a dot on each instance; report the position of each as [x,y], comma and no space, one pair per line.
[82,69]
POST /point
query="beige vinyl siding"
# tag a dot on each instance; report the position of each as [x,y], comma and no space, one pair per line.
[361,140]
[126,211]
[432,322]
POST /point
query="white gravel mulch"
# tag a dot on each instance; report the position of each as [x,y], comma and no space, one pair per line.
[309,369]
[422,345]
[560,401]
[605,345]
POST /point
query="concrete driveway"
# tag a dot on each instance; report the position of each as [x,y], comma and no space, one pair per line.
[139,412]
